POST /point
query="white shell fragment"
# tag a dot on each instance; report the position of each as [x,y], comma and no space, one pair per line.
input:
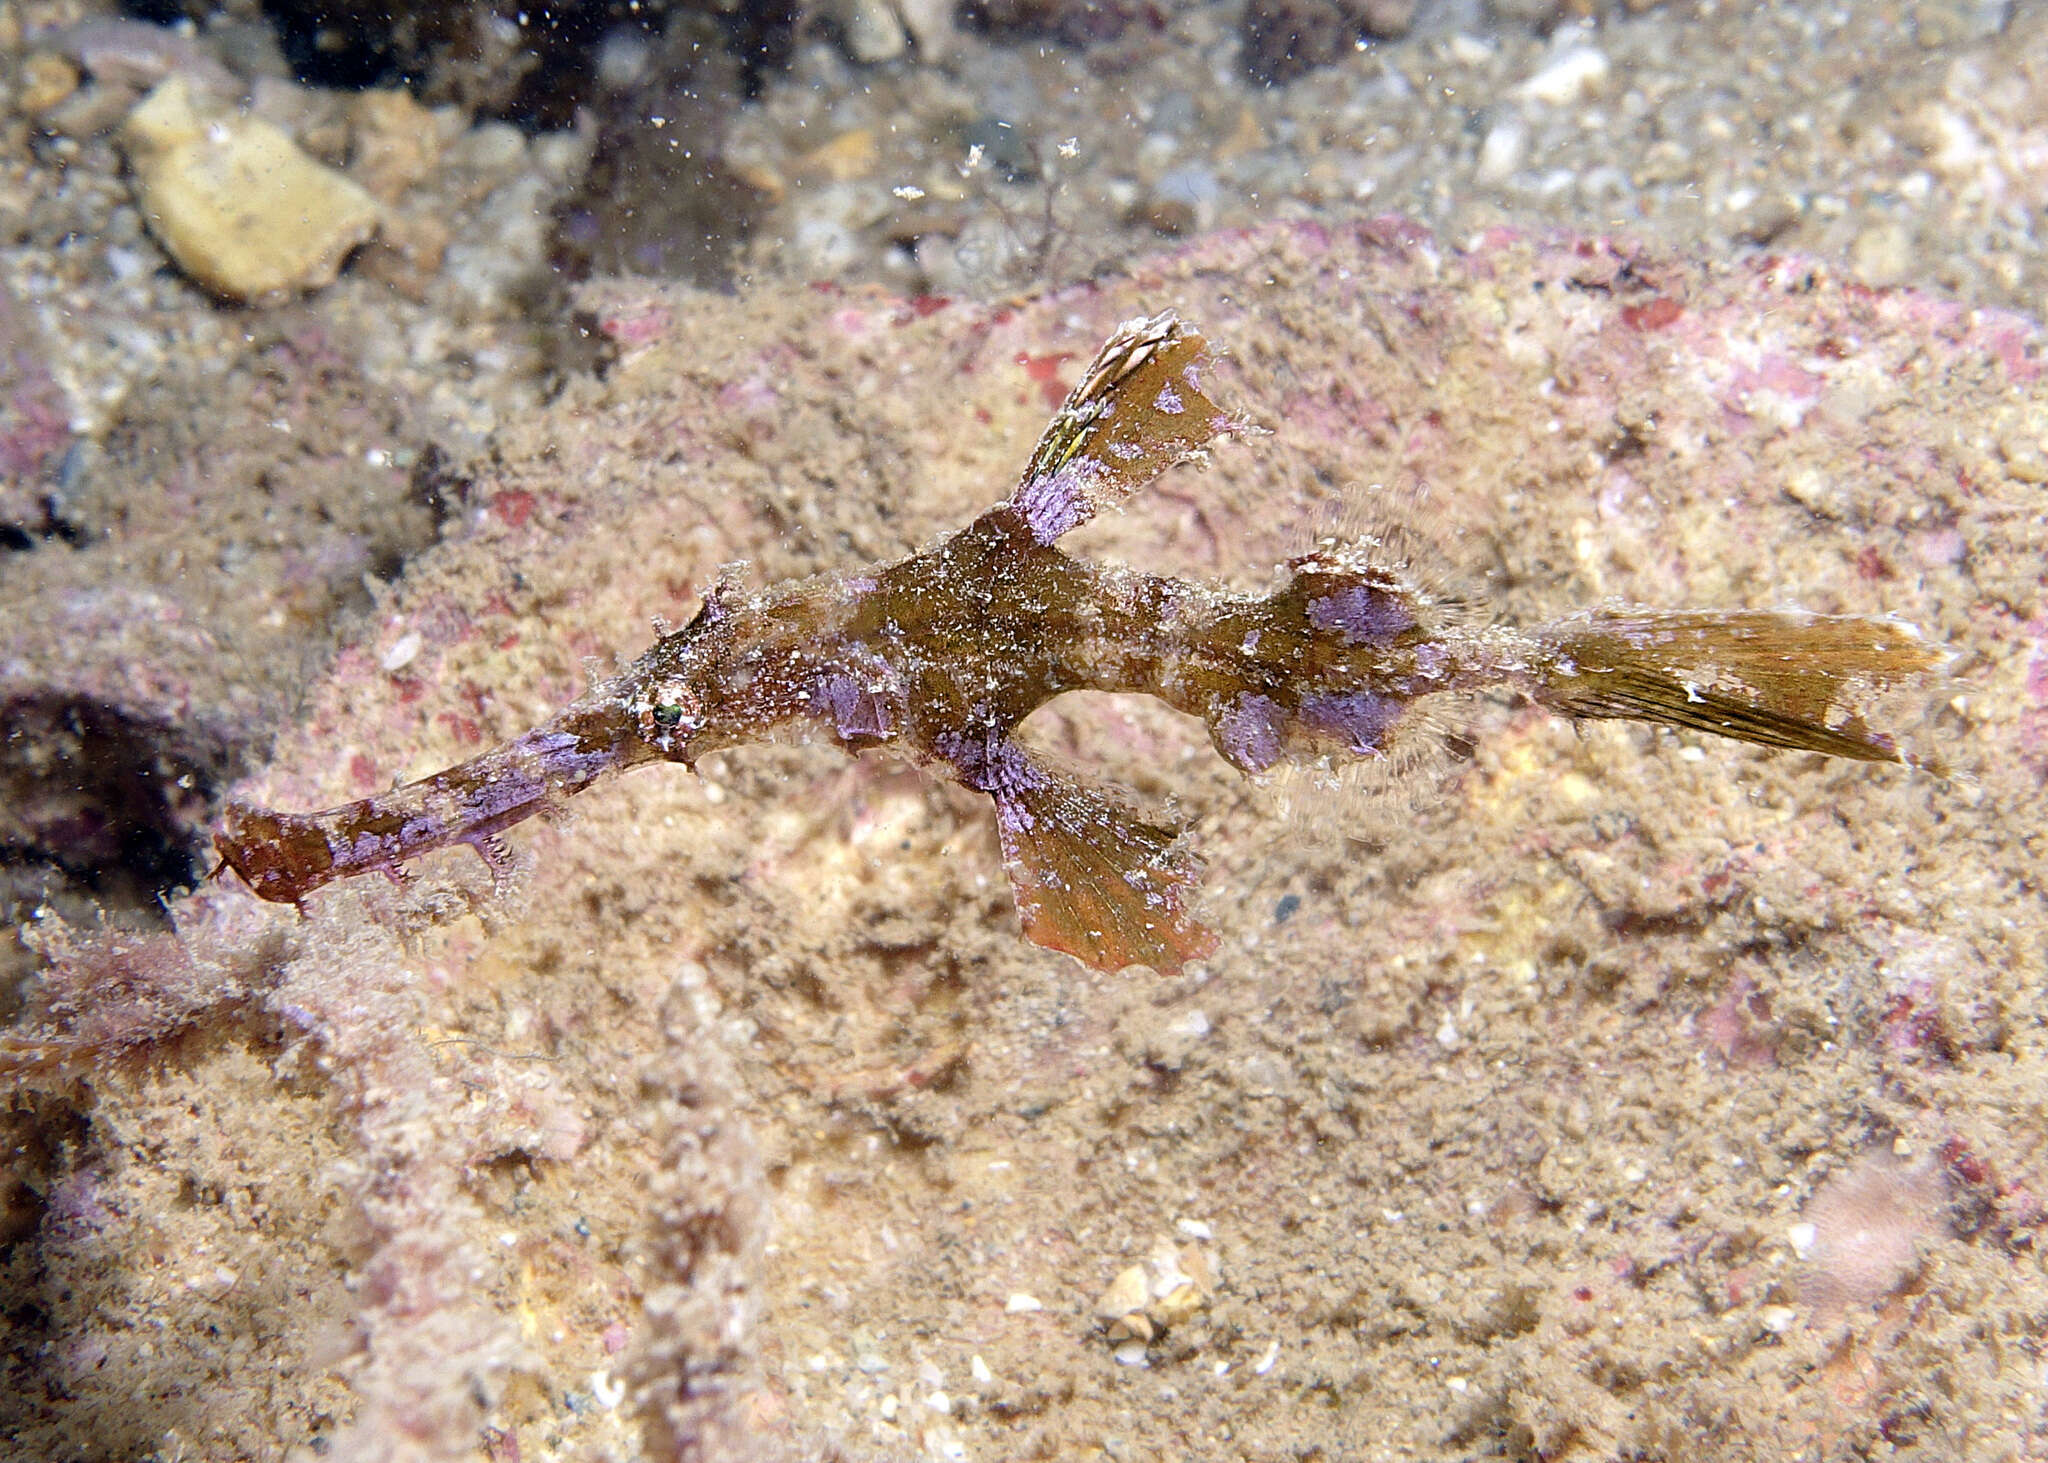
[404,652]
[1777,1320]
[1569,78]
[236,203]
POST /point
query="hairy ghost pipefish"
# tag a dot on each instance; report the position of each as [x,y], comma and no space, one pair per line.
[939,656]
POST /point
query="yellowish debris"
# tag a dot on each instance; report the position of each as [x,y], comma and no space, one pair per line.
[236,203]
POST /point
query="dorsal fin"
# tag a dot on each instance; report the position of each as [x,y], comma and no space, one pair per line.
[1138,410]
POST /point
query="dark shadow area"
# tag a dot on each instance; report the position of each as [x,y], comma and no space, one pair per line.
[532,65]
[100,807]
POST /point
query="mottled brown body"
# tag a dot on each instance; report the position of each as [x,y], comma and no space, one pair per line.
[939,657]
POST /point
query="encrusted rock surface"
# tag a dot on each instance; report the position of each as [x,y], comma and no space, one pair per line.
[35,423]
[750,1111]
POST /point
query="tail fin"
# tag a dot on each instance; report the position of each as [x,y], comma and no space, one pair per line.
[1774,678]
[1096,881]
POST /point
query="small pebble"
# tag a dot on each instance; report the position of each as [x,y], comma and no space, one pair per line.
[46,80]
[1502,153]
[850,156]
[491,149]
[2023,456]
[1471,50]
[1882,254]
[235,202]
[1570,78]
[1121,1308]
[930,23]
[874,31]
[1938,23]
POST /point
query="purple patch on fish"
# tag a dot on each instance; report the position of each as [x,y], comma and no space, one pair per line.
[1168,400]
[989,762]
[499,803]
[1360,718]
[1056,502]
[857,711]
[1248,732]
[1363,614]
[364,849]
[1012,817]
[564,756]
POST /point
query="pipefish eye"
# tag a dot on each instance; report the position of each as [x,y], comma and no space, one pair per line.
[668,715]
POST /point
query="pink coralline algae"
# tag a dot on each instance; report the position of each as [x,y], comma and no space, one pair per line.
[1870,1225]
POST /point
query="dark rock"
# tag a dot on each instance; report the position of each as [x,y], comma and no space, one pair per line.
[1284,39]
[1077,22]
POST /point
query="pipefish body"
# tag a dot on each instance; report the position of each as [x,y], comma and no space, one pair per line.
[939,656]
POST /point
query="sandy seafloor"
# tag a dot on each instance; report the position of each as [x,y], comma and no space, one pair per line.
[1630,1095]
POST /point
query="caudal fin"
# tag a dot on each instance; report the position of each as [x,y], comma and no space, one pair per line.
[1774,678]
[1095,880]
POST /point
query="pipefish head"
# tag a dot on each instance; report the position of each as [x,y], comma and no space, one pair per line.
[680,699]
[672,716]
[674,707]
